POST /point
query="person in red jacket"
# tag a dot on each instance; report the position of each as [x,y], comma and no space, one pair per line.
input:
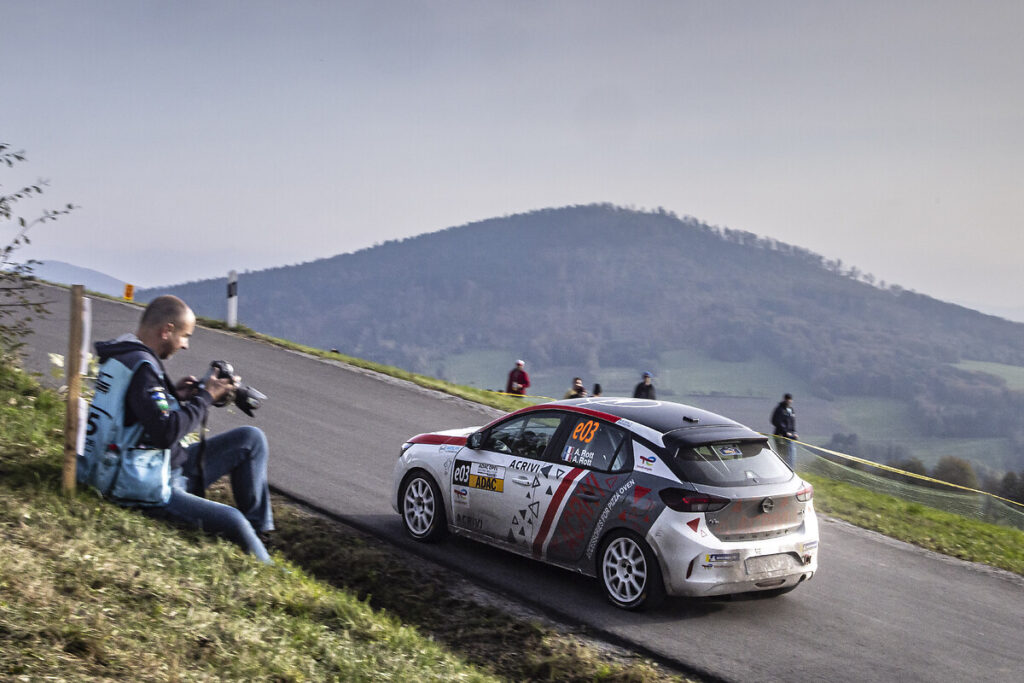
[518,380]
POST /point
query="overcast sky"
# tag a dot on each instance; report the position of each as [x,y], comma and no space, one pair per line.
[203,136]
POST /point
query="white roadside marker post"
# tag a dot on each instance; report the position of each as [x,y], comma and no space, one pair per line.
[232,300]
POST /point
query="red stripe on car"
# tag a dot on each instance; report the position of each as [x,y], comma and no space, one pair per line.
[438,439]
[556,501]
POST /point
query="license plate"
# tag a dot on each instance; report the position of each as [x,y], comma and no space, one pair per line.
[771,563]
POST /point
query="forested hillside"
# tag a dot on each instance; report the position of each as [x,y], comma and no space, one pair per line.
[601,286]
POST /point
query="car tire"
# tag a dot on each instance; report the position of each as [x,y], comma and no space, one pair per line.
[422,508]
[629,572]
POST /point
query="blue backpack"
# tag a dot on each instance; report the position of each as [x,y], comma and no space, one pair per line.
[112,461]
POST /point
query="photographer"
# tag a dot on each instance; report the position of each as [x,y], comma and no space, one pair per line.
[167,412]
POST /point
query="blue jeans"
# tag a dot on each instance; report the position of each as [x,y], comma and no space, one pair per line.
[241,453]
[787,449]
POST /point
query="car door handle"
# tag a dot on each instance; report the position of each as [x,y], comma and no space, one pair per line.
[589,496]
[522,481]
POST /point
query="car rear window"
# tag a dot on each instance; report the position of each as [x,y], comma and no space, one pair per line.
[742,463]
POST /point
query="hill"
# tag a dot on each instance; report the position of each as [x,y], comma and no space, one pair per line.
[66,273]
[599,287]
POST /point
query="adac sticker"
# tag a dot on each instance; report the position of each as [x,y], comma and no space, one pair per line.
[476,475]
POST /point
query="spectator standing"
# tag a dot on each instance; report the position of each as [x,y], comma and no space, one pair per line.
[784,424]
[597,390]
[577,390]
[518,380]
[645,389]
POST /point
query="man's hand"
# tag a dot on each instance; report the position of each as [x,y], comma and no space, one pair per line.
[219,387]
[187,387]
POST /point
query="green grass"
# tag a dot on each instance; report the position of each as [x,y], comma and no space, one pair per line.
[1013,374]
[92,591]
[923,526]
[89,590]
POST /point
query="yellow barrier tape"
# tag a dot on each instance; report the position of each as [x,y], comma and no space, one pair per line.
[505,393]
[888,468]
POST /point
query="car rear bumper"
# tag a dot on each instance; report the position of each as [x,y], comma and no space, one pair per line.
[696,563]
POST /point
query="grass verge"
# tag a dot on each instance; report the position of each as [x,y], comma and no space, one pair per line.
[924,526]
[92,591]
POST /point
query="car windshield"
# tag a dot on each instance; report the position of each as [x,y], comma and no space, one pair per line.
[743,463]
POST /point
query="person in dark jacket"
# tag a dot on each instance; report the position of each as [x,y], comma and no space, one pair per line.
[645,389]
[169,411]
[784,424]
[577,390]
[518,381]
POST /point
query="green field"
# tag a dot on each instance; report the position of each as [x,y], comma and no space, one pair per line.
[678,374]
[1013,374]
[696,374]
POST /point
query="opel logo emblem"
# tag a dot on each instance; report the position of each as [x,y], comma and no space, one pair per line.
[767,505]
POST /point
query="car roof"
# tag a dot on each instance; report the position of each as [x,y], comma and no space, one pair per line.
[687,424]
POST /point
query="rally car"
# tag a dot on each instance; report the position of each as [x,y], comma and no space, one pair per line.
[651,497]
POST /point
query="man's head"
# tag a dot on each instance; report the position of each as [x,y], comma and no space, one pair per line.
[166,325]
[577,382]
[520,364]
[647,378]
[788,398]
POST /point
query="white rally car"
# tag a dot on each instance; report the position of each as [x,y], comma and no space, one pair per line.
[651,497]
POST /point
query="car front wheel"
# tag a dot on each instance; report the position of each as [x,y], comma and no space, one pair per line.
[630,573]
[423,508]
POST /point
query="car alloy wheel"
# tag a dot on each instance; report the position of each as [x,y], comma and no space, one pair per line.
[630,573]
[423,508]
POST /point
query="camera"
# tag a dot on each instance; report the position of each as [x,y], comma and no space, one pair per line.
[245,397]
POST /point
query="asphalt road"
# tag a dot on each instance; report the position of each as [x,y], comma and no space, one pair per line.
[878,610]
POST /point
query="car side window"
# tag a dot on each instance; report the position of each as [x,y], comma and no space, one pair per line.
[527,436]
[537,434]
[595,444]
[505,436]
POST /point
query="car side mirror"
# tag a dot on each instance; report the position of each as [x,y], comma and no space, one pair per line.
[475,441]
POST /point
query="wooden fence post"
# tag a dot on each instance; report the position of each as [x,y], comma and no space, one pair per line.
[72,370]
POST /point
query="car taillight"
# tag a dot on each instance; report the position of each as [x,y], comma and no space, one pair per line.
[806,493]
[681,500]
